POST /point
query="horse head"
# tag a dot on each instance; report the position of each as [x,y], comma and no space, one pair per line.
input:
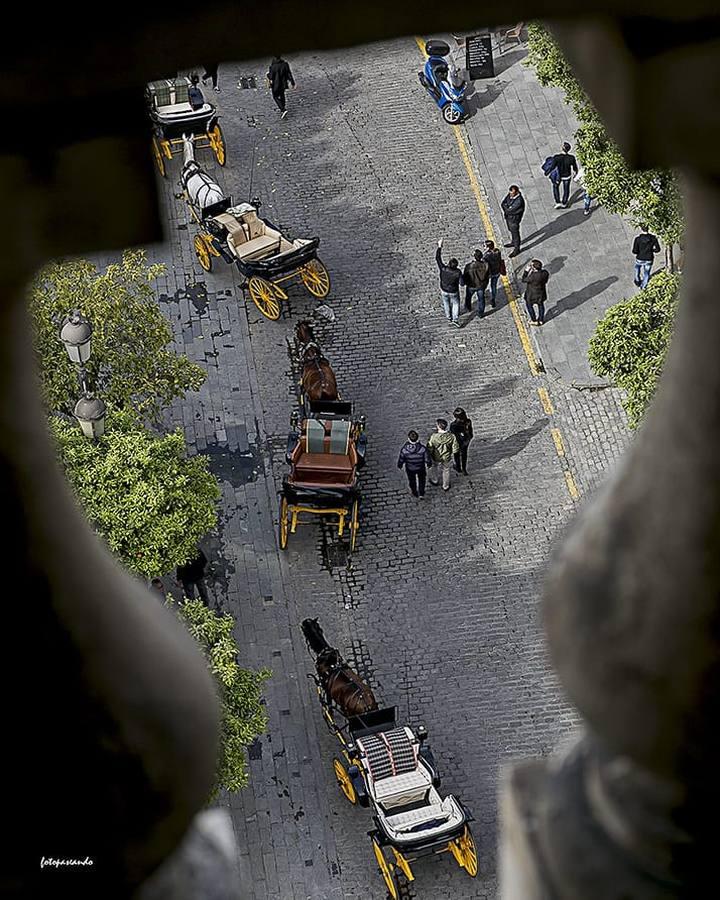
[304,333]
[327,661]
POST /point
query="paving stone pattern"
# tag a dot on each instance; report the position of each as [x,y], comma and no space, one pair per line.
[440,610]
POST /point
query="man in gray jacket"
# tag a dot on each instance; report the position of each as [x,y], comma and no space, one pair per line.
[442,445]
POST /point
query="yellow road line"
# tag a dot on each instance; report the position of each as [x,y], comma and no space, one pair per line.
[557,438]
[546,401]
[571,486]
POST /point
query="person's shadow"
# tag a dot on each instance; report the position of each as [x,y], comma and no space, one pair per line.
[490,454]
[557,226]
[577,298]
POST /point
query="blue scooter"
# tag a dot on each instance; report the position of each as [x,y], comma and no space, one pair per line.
[445,86]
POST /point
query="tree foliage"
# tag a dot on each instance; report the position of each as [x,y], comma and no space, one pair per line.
[243,716]
[631,341]
[649,196]
[132,366]
[142,494]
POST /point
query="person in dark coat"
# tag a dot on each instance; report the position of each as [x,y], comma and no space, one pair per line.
[279,77]
[493,258]
[415,456]
[644,248]
[513,207]
[461,427]
[535,279]
[476,276]
[191,575]
[451,278]
[566,164]
[211,72]
[195,95]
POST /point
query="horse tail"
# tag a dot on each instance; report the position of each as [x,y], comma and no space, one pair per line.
[314,636]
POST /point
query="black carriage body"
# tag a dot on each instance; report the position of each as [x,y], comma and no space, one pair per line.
[281,264]
[321,496]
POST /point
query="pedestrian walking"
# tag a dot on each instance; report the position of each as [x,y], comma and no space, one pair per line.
[191,575]
[496,266]
[211,72]
[443,445]
[195,95]
[461,427]
[513,207]
[415,456]
[450,280]
[279,77]
[566,164]
[535,279]
[644,247]
[587,199]
[476,276]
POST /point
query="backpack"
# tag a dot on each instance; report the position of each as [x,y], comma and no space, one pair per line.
[550,169]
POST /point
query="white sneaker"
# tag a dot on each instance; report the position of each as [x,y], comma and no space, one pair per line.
[283,114]
[217,89]
[558,206]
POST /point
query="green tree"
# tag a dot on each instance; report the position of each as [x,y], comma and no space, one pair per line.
[132,366]
[631,341]
[243,716]
[144,496]
[649,196]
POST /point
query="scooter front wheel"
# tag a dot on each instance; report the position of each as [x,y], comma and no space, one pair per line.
[451,114]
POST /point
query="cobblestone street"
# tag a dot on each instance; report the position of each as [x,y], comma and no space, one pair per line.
[440,610]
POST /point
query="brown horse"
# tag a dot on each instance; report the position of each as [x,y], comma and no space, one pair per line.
[317,377]
[342,685]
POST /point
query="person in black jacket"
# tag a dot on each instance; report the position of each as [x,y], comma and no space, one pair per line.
[476,276]
[461,427]
[493,258]
[191,575]
[535,279]
[644,247]
[566,164]
[211,72]
[513,207]
[415,456]
[279,77]
[450,280]
[195,95]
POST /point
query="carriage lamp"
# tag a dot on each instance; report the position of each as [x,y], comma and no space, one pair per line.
[75,333]
[362,423]
[294,419]
[90,413]
[421,733]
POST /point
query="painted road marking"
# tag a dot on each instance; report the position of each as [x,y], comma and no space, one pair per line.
[557,439]
[546,401]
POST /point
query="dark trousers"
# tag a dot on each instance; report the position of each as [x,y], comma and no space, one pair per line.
[189,590]
[279,98]
[211,71]
[481,299]
[416,480]
[514,235]
[565,191]
[461,459]
[531,311]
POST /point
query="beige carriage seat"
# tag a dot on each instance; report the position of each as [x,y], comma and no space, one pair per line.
[260,240]
[390,759]
[435,818]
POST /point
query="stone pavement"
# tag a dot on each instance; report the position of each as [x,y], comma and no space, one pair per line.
[440,611]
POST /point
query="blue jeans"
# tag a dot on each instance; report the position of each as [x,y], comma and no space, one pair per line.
[530,307]
[451,303]
[481,299]
[493,289]
[642,271]
[587,200]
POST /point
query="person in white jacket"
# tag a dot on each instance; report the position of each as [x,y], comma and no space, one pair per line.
[587,199]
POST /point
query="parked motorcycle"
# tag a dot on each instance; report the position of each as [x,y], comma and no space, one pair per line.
[444,83]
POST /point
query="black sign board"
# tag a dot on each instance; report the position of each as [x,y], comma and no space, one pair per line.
[478,57]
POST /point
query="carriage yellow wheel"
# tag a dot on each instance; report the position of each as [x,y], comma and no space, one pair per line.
[343,779]
[354,523]
[387,870]
[157,154]
[283,523]
[263,294]
[202,252]
[468,853]
[217,142]
[316,278]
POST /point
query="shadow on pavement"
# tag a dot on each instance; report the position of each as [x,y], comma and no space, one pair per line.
[508,447]
[577,298]
[557,226]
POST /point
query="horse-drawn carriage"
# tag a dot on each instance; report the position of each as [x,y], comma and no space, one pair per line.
[173,115]
[325,449]
[390,769]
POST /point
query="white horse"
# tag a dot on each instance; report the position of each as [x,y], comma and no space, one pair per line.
[198,185]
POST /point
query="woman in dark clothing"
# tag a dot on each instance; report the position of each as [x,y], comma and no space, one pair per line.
[535,278]
[461,427]
[416,459]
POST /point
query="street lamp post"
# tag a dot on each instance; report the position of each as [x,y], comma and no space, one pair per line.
[76,334]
